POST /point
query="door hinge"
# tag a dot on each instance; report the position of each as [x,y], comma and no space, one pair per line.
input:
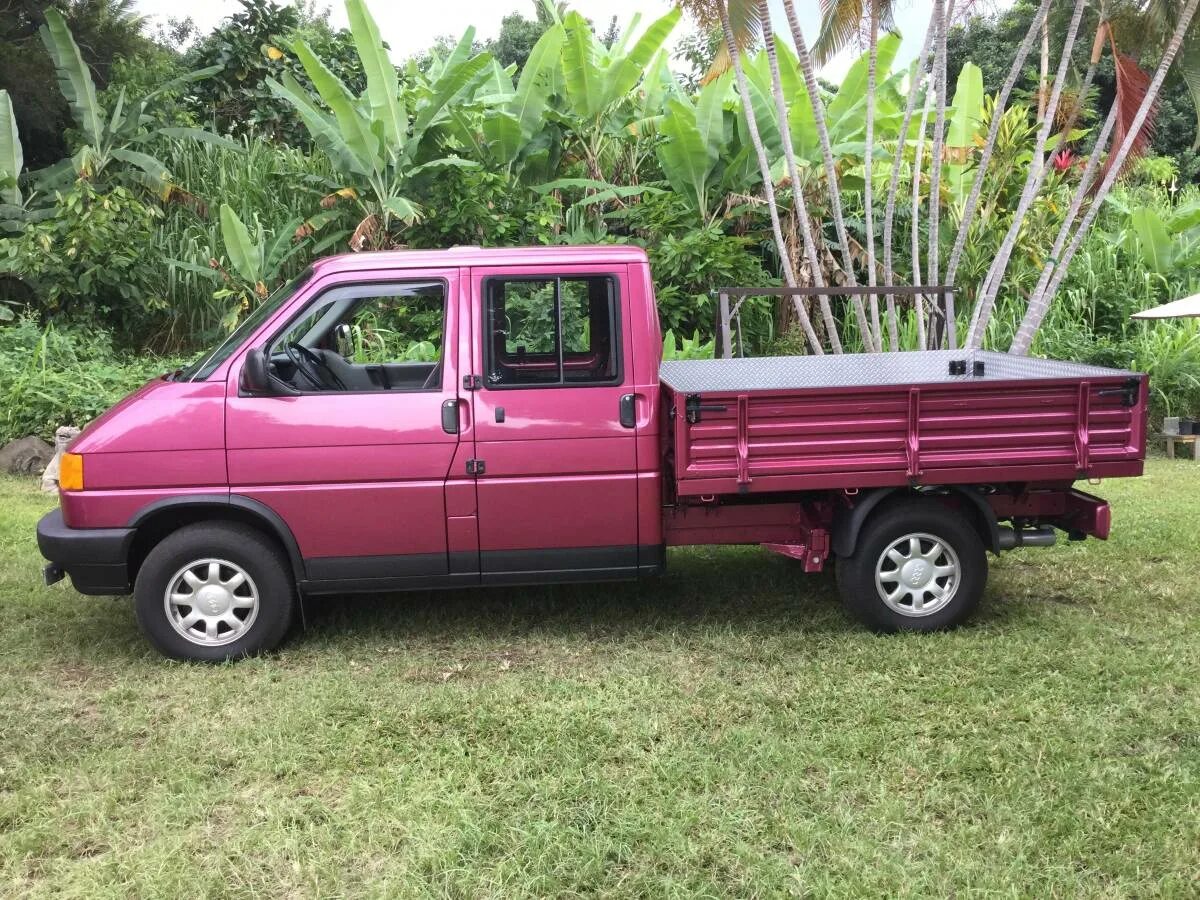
[472,382]
[475,467]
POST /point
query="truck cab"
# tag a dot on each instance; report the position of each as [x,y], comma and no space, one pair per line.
[420,419]
[350,420]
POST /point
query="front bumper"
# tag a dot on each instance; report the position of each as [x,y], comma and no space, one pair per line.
[97,559]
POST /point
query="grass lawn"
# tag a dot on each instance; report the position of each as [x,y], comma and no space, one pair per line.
[722,731]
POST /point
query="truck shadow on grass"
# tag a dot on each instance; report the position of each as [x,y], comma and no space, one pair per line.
[742,590]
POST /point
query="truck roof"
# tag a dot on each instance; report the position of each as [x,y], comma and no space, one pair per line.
[481,256]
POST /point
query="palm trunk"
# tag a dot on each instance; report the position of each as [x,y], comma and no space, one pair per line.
[1040,305]
[764,167]
[989,147]
[869,166]
[889,214]
[1081,193]
[1044,68]
[1090,77]
[831,177]
[1033,184]
[803,222]
[918,153]
[935,156]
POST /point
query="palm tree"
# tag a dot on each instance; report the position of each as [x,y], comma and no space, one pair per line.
[840,22]
[831,176]
[801,208]
[733,42]
[1033,183]
[935,165]
[1040,305]
[1082,191]
[989,147]
[918,150]
[889,214]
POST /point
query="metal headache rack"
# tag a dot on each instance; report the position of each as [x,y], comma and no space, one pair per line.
[730,317]
[917,367]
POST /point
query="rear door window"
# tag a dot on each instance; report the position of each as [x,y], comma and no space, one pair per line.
[552,332]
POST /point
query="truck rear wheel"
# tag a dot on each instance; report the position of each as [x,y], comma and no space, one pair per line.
[918,566]
[214,591]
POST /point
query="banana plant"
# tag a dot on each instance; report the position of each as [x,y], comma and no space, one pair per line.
[114,134]
[687,347]
[11,158]
[845,110]
[507,129]
[963,134]
[257,260]
[376,140]
[598,80]
[701,154]
[1163,242]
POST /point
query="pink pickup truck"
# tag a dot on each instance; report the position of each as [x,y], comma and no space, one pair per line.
[422,419]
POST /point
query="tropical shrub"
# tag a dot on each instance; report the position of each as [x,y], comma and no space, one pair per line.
[484,207]
[689,265]
[251,46]
[52,376]
[92,260]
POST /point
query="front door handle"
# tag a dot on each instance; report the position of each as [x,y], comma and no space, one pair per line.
[450,416]
[628,409]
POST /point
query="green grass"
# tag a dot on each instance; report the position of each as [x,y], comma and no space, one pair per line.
[724,731]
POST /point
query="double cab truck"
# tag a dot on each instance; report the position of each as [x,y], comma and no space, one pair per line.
[440,419]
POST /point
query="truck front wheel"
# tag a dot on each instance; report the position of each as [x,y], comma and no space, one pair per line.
[214,591]
[917,566]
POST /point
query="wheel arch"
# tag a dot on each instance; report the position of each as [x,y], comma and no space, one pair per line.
[848,522]
[154,522]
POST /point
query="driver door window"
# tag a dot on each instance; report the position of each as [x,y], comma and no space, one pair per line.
[366,338]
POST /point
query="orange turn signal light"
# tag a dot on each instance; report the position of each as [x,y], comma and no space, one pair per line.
[70,472]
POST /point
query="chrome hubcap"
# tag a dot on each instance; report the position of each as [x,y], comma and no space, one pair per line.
[211,602]
[917,574]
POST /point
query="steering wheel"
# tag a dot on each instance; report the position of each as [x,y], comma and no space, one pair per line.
[314,369]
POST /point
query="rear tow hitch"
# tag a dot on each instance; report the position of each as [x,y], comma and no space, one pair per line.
[53,573]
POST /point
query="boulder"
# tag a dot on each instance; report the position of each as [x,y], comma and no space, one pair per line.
[62,437]
[25,456]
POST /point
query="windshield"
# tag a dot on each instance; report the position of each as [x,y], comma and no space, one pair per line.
[202,368]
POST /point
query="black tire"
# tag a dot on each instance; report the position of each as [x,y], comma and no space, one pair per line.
[259,558]
[892,524]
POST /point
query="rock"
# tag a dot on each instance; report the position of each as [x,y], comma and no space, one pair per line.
[62,437]
[25,456]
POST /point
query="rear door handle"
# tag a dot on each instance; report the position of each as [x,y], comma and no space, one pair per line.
[628,408]
[450,416]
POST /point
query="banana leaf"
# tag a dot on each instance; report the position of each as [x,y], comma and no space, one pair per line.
[383,90]
[74,78]
[11,157]
[245,254]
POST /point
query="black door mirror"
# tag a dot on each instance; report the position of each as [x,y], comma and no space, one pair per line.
[344,340]
[256,373]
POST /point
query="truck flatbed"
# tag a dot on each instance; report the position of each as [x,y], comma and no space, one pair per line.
[930,367]
[893,419]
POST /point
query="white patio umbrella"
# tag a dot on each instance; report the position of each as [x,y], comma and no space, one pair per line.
[1176,309]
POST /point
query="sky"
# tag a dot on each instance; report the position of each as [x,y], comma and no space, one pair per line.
[410,27]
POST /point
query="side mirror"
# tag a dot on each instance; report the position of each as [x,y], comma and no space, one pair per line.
[344,342]
[256,373]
